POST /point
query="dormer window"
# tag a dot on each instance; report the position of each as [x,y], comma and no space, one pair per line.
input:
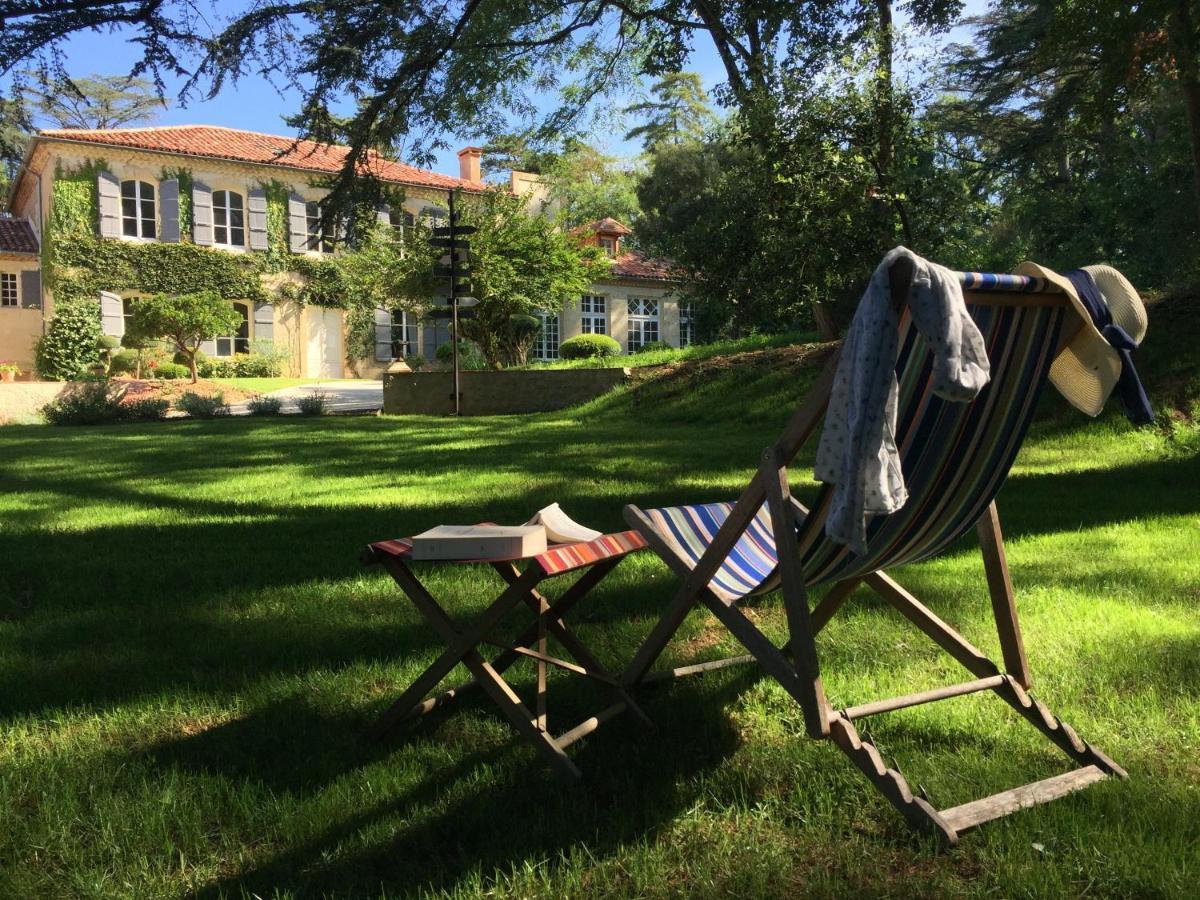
[137,210]
[609,245]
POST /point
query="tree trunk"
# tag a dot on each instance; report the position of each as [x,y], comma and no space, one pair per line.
[885,125]
[192,365]
[1183,37]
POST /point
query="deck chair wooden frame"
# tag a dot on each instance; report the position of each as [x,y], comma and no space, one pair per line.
[590,562]
[795,665]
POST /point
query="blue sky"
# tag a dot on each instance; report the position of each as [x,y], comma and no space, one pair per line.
[254,104]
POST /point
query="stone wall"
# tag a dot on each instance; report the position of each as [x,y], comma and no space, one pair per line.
[497,393]
[21,400]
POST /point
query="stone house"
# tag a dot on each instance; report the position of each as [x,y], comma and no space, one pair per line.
[212,188]
[90,214]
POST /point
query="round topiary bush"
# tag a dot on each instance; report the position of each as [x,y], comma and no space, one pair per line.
[172,370]
[589,346]
[70,348]
[124,362]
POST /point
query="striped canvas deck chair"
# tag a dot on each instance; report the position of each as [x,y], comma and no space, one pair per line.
[955,457]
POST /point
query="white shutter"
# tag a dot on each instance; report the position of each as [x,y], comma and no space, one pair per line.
[264,322]
[297,224]
[112,315]
[109,191]
[256,202]
[168,205]
[383,335]
[202,214]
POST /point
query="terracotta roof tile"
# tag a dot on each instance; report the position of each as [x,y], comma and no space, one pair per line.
[16,236]
[262,149]
[633,264]
[607,225]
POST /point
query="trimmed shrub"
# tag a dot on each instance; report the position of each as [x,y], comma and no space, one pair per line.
[71,345]
[589,346]
[124,362]
[149,409]
[256,365]
[315,404]
[654,346]
[93,403]
[171,371]
[200,407]
[265,406]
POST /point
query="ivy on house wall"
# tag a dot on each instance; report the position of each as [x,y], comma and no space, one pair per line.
[79,264]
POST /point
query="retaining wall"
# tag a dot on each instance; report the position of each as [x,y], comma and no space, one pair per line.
[20,400]
[491,393]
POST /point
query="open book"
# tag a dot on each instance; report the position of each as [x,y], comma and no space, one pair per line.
[561,528]
[549,525]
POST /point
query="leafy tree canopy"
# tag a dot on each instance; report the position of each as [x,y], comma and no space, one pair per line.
[186,320]
[521,265]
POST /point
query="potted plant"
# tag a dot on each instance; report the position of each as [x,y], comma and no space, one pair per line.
[9,371]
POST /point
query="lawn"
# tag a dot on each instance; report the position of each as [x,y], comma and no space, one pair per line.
[266,385]
[189,652]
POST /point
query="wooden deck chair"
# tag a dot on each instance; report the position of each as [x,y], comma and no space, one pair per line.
[955,457]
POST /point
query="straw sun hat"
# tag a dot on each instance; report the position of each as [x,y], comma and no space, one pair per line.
[1086,370]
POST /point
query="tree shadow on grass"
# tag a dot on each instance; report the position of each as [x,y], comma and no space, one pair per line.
[452,822]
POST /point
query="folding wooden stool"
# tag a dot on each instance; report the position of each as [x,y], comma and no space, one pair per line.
[592,559]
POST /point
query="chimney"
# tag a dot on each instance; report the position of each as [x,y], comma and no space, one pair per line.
[468,164]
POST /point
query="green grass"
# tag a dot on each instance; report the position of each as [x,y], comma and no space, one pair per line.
[266,385]
[693,353]
[189,652]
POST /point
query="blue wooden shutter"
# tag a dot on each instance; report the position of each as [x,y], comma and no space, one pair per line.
[168,204]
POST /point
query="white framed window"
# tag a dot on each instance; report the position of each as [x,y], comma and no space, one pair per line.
[643,323]
[137,210]
[317,239]
[239,341]
[229,219]
[127,313]
[687,324]
[402,222]
[594,310]
[404,334]
[609,245]
[546,344]
[8,290]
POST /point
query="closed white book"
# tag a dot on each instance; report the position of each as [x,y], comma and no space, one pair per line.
[479,542]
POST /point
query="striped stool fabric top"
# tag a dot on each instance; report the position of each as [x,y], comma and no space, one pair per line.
[557,559]
[955,457]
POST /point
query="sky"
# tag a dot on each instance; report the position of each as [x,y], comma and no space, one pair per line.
[254,104]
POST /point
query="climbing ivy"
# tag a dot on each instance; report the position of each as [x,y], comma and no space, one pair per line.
[80,264]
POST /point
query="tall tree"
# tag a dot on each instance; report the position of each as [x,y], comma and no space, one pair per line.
[419,71]
[679,112]
[587,184]
[1063,67]
[98,101]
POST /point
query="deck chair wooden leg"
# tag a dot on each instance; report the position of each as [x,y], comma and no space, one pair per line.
[765,653]
[795,597]
[925,619]
[456,644]
[916,810]
[552,616]
[488,679]
[1004,605]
